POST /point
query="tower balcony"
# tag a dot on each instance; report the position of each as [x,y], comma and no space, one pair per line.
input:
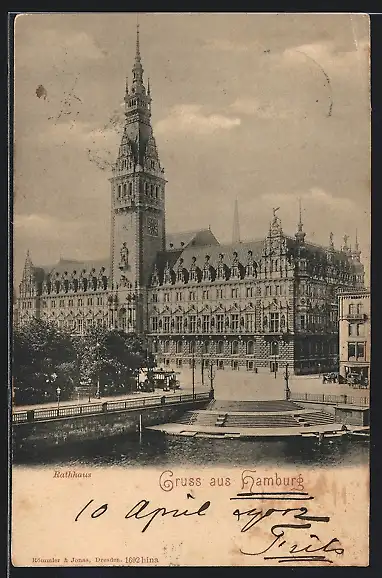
[356,317]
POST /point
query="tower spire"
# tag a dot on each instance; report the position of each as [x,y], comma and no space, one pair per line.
[137,68]
[236,224]
[300,235]
[137,49]
[356,252]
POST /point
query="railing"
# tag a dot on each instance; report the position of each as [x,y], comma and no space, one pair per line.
[334,399]
[355,316]
[41,414]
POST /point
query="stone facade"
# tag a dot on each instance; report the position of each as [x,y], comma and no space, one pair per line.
[355,335]
[248,305]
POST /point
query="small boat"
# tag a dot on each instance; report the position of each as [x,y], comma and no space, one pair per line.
[363,435]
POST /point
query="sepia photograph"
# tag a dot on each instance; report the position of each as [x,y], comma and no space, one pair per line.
[191,289]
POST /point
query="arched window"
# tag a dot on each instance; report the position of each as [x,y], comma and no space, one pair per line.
[206,346]
[119,190]
[124,189]
[220,348]
[179,347]
[235,347]
[156,192]
[166,346]
[250,348]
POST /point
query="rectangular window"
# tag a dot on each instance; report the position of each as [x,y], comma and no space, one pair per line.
[351,308]
[179,324]
[234,293]
[359,308]
[192,323]
[205,294]
[360,351]
[62,303]
[166,297]
[80,325]
[206,324]
[303,322]
[360,329]
[352,329]
[219,293]
[154,323]
[351,351]
[192,296]
[274,322]
[166,324]
[249,322]
[249,292]
[235,322]
[79,302]
[220,323]
[155,297]
[179,296]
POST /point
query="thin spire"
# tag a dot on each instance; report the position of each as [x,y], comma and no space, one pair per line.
[300,217]
[137,49]
[236,224]
[356,247]
[137,68]
[127,85]
[300,235]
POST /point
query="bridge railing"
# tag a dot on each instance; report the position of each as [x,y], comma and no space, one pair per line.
[100,407]
[328,398]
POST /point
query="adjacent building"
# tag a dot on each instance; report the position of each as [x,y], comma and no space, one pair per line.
[253,305]
[354,336]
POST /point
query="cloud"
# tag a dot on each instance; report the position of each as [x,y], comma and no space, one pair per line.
[224,45]
[48,227]
[253,107]
[189,118]
[325,55]
[57,46]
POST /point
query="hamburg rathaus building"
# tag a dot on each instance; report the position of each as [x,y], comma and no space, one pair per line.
[253,305]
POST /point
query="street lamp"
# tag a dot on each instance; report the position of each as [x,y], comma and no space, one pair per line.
[98,395]
[193,369]
[212,376]
[275,358]
[58,391]
[286,377]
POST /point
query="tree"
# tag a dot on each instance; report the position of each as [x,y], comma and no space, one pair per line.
[42,350]
[113,358]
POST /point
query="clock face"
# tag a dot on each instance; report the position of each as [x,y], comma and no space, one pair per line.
[152,226]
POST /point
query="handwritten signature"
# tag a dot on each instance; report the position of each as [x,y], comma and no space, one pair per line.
[280,539]
[280,533]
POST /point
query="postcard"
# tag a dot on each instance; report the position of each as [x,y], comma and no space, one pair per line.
[191,290]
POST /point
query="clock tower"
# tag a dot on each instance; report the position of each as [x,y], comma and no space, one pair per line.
[137,207]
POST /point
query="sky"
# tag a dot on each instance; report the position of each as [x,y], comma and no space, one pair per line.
[263,108]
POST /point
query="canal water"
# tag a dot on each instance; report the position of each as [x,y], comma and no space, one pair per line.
[158,449]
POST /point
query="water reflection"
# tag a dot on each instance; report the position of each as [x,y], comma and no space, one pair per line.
[157,449]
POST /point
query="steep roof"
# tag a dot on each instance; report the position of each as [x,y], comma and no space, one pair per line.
[173,257]
[71,265]
[196,238]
